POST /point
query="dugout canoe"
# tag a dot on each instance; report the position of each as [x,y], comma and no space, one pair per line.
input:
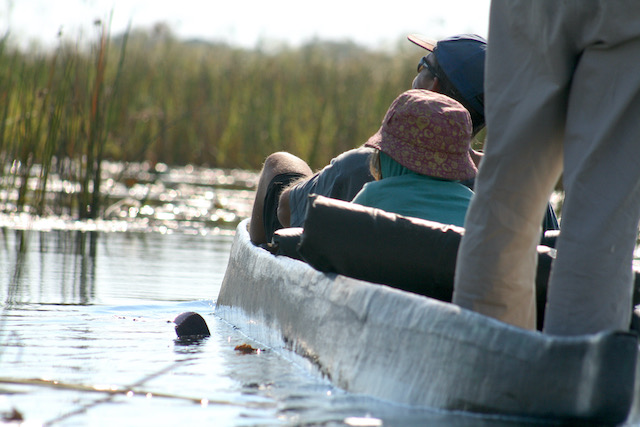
[399,346]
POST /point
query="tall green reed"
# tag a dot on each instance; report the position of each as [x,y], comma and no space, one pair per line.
[56,116]
[147,96]
[100,113]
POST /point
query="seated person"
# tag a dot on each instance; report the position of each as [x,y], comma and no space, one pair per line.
[286,180]
[421,156]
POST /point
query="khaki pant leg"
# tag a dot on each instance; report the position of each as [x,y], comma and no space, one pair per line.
[525,92]
[534,48]
[527,79]
[591,282]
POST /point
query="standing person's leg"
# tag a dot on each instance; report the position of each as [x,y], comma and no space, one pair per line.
[591,281]
[527,78]
[279,164]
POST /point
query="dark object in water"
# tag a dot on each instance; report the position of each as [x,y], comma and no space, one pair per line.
[191,325]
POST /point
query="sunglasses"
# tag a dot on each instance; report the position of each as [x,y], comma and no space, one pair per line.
[434,69]
[425,64]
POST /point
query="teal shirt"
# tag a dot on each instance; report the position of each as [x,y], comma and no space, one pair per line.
[408,193]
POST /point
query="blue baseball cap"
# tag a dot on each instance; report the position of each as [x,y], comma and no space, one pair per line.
[461,58]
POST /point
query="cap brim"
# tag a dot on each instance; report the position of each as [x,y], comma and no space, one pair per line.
[422,41]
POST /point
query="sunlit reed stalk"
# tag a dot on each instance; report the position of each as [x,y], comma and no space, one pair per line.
[30,126]
[89,196]
[51,112]
[5,100]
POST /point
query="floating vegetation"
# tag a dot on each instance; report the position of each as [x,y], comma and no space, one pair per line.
[246,349]
[140,198]
[12,416]
[106,389]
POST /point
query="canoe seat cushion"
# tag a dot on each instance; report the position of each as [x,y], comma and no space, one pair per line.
[406,253]
[377,246]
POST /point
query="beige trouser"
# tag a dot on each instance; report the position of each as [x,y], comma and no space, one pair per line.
[562,96]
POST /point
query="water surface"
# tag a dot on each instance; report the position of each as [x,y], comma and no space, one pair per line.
[92,311]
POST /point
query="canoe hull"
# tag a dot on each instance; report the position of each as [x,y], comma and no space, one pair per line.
[402,347]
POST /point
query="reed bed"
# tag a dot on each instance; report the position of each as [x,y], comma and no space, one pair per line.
[145,96]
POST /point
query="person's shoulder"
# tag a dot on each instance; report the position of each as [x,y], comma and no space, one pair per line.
[364,195]
[455,188]
[462,187]
[355,154]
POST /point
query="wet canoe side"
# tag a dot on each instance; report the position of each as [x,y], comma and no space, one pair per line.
[391,344]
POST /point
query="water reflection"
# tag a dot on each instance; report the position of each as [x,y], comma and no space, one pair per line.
[84,268]
[78,250]
[189,345]
[38,259]
[18,265]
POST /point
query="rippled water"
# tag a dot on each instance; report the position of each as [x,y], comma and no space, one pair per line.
[89,312]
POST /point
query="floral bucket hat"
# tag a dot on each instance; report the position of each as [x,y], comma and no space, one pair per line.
[428,133]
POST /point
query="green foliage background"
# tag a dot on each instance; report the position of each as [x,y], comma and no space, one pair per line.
[159,99]
[146,96]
